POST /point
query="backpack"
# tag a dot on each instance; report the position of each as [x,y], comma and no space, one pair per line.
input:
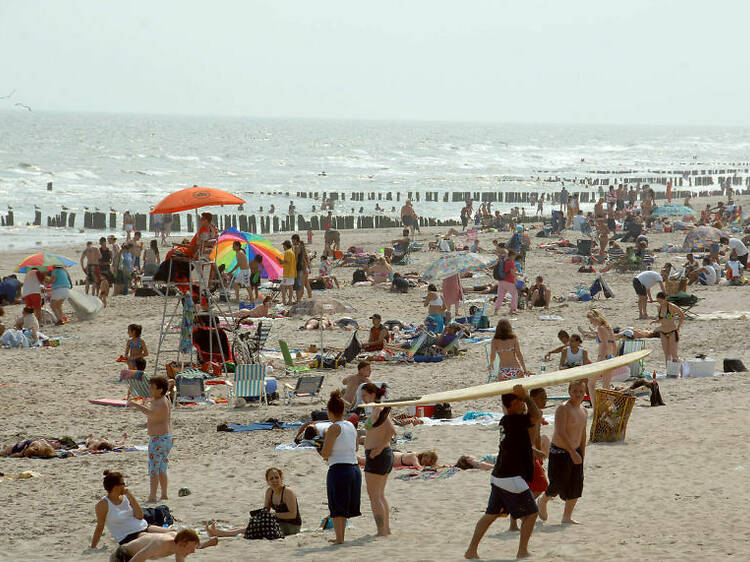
[499,271]
[358,276]
[159,516]
[263,525]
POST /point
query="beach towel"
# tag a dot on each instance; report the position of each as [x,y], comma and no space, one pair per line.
[452,291]
[263,426]
[439,474]
[295,446]
[186,328]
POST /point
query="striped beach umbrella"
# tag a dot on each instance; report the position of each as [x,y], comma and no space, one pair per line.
[253,245]
[43,262]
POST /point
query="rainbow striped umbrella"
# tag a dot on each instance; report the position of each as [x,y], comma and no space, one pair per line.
[254,245]
[43,261]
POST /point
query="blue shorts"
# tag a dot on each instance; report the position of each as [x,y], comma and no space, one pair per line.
[439,321]
[344,486]
[158,451]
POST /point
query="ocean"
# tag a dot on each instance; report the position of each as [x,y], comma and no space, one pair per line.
[129,162]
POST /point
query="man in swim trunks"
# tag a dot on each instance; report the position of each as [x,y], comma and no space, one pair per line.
[92,256]
[514,468]
[242,277]
[160,440]
[152,546]
[566,453]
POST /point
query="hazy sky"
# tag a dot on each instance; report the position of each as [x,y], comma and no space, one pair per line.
[657,61]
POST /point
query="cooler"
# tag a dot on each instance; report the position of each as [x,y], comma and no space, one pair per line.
[422,411]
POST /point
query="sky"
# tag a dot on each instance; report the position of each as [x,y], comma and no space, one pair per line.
[635,62]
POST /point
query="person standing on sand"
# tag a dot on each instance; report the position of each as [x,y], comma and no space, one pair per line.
[91,270]
[566,454]
[409,217]
[159,427]
[514,467]
[128,224]
[243,277]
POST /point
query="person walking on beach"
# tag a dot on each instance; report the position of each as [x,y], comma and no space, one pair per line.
[566,454]
[344,479]
[514,467]
[378,456]
[409,217]
[505,346]
[160,442]
[128,224]
[91,270]
[506,281]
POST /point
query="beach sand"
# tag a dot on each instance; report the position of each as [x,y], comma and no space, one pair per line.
[675,489]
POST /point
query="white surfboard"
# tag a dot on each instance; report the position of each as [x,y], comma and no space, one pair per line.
[534,381]
[85,306]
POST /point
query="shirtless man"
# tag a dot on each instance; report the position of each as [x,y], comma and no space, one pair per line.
[159,429]
[352,382]
[566,453]
[152,546]
[137,249]
[243,277]
[540,294]
[92,255]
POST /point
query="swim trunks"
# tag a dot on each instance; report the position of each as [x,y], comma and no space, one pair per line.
[382,464]
[242,278]
[158,451]
[92,273]
[539,483]
[565,478]
[503,502]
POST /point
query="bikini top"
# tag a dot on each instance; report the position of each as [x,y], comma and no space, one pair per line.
[135,344]
[509,349]
[667,315]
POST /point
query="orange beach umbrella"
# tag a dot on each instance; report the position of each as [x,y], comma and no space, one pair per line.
[193,198]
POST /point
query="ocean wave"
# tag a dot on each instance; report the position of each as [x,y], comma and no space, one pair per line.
[146,172]
[77,174]
[183,158]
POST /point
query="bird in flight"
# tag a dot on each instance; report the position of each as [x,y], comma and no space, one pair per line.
[19,104]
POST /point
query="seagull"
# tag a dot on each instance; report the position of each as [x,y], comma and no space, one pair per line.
[8,96]
[19,104]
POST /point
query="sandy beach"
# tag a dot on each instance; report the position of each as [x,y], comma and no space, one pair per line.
[675,489]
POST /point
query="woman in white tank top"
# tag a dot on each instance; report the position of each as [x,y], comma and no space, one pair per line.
[120,512]
[344,479]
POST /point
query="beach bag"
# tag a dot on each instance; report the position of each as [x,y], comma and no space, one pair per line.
[159,516]
[442,412]
[318,284]
[263,525]
[734,366]
[499,271]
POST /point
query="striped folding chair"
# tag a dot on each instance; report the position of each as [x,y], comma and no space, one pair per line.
[249,381]
[629,346]
[139,386]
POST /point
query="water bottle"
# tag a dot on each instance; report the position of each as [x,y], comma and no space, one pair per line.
[544,367]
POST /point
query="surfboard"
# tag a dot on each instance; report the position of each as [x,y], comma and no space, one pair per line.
[534,381]
[109,402]
[85,306]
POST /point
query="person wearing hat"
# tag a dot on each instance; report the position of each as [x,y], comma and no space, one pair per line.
[378,334]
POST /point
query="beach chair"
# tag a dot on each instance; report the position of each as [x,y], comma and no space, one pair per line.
[629,346]
[139,386]
[307,387]
[191,385]
[290,366]
[418,343]
[452,348]
[248,346]
[249,381]
[478,313]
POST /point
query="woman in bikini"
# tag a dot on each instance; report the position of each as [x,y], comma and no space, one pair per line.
[279,499]
[378,456]
[508,351]
[435,307]
[605,337]
[425,459]
[670,319]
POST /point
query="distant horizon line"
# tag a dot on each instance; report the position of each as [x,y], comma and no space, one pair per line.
[366,119]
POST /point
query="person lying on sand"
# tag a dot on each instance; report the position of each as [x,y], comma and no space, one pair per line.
[102,444]
[261,310]
[323,323]
[417,460]
[29,448]
[152,546]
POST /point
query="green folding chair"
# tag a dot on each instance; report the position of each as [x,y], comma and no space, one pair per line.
[289,364]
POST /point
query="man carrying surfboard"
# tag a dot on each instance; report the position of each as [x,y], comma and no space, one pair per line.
[566,453]
[510,493]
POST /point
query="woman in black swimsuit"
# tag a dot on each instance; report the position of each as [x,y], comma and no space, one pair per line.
[282,501]
[378,456]
[670,319]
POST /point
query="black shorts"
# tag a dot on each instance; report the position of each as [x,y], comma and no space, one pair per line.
[382,464]
[407,220]
[344,486]
[131,537]
[611,225]
[517,505]
[640,290]
[565,478]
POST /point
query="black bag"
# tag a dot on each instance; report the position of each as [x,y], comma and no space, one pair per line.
[146,292]
[159,516]
[263,525]
[317,284]
[442,412]
[319,415]
[358,276]
[734,366]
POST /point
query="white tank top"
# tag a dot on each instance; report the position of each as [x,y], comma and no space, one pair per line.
[320,427]
[437,301]
[345,446]
[574,359]
[120,520]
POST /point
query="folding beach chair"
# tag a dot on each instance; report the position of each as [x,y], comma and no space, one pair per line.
[249,381]
[307,387]
[290,365]
[418,343]
[139,386]
[629,346]
[248,346]
[452,348]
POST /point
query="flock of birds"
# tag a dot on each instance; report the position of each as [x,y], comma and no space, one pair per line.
[17,104]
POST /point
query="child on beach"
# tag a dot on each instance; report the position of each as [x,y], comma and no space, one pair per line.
[135,349]
[160,440]
[566,453]
[256,270]
[574,355]
[514,468]
[104,286]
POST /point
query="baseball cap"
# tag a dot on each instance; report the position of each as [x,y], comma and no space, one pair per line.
[375,316]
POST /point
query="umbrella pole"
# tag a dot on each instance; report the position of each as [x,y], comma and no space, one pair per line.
[320,331]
